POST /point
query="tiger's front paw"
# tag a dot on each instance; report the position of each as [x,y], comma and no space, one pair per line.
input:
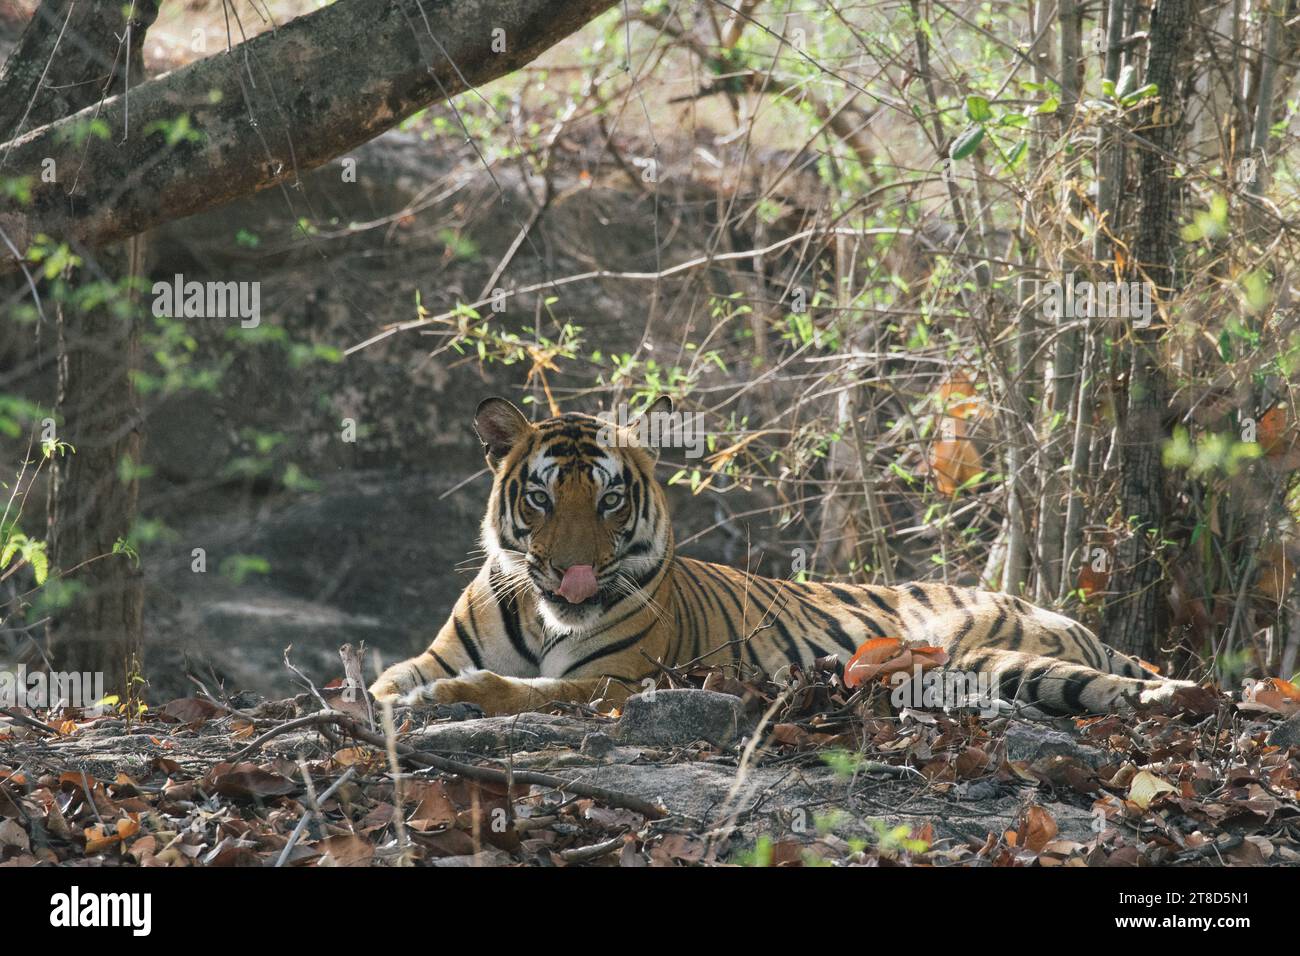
[385,690]
[483,688]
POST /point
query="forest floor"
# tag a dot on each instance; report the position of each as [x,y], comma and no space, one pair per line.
[806,773]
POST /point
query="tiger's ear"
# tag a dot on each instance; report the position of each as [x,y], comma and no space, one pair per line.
[655,435]
[662,404]
[499,426]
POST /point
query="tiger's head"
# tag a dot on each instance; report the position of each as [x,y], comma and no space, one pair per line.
[575,511]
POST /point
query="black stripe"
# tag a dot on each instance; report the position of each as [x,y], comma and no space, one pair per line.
[509,611]
[792,648]
[467,642]
[705,600]
[1017,633]
[1009,683]
[1089,646]
[682,603]
[995,632]
[723,586]
[848,598]
[836,629]
[607,650]
[879,602]
[963,632]
[451,671]
[918,593]
[1073,693]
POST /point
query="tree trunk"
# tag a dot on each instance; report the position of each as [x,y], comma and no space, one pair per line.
[1133,620]
[1056,457]
[70,56]
[92,496]
[1110,176]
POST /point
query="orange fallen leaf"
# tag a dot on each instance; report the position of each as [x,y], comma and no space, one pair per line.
[882,656]
[1271,695]
[1272,431]
[1038,828]
[97,840]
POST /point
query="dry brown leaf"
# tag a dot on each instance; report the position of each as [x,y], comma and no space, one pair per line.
[190,710]
[1037,830]
[247,781]
[345,850]
[1146,786]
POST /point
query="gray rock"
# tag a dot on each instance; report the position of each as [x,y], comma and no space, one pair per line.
[679,717]
[598,745]
[1029,742]
[979,790]
[459,710]
[1287,733]
[526,732]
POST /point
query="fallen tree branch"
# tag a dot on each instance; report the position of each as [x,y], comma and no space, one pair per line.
[286,101]
[424,758]
[311,720]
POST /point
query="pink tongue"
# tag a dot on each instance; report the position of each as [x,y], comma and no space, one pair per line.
[579,583]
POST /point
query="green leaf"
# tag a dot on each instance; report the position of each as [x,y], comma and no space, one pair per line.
[1127,81]
[977,109]
[1140,94]
[1017,154]
[40,565]
[966,143]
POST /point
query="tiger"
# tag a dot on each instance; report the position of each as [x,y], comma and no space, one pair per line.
[582,599]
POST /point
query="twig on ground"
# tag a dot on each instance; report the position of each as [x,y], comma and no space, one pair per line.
[305,679]
[27,721]
[354,677]
[584,854]
[302,823]
[389,743]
